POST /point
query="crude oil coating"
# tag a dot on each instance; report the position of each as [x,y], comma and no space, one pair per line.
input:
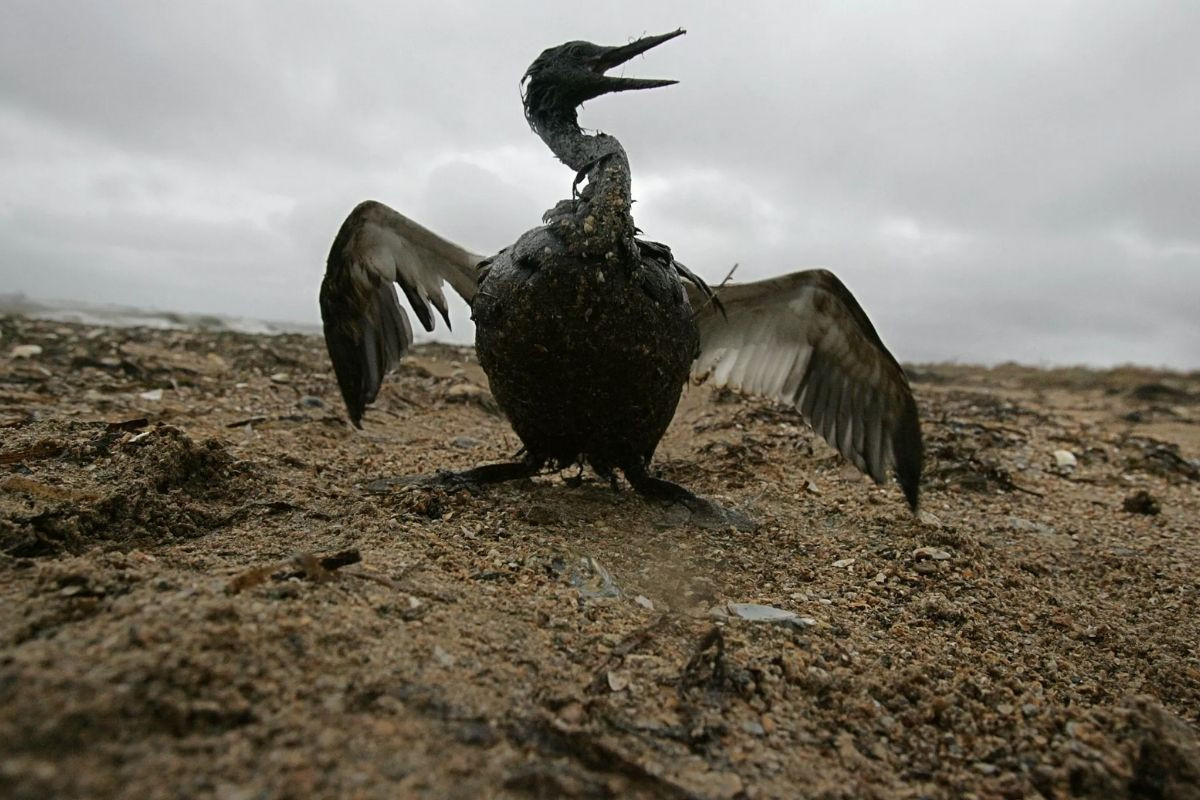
[587,357]
[585,332]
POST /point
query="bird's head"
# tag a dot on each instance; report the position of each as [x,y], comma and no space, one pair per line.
[563,77]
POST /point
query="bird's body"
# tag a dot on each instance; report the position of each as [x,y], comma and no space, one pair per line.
[588,333]
[587,356]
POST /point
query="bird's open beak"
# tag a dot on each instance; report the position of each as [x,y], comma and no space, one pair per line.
[614,56]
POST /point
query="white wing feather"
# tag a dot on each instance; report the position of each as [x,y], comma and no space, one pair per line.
[804,341]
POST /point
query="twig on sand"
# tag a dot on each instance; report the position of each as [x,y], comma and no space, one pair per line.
[713,294]
[318,569]
[47,448]
[600,678]
[368,576]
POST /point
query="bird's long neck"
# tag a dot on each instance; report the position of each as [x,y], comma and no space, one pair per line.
[602,160]
[578,150]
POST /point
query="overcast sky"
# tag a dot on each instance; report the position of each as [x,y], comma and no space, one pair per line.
[1017,181]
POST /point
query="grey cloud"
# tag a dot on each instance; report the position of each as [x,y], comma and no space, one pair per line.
[1011,181]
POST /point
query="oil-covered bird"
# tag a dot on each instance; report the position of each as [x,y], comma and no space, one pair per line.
[587,333]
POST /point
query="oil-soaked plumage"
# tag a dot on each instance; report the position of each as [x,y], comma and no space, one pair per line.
[588,333]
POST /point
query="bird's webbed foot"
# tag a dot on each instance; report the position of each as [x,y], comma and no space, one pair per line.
[702,512]
[711,515]
[576,480]
[471,480]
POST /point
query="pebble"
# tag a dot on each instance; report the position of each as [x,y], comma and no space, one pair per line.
[714,784]
[26,351]
[922,553]
[843,562]
[644,602]
[929,519]
[754,612]
[617,682]
[310,401]
[465,392]
[442,657]
[154,395]
[818,678]
[1065,460]
[754,728]
[465,442]
[1022,524]
[572,713]
[281,377]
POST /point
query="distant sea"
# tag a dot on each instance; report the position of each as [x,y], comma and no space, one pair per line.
[115,316]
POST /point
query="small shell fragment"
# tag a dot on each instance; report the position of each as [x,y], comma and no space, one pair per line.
[755,612]
[1065,459]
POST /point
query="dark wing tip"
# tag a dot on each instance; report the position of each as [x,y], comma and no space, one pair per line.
[419,306]
[365,337]
[348,367]
[909,451]
[349,377]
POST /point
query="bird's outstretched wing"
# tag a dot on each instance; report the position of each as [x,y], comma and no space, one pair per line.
[802,339]
[366,330]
